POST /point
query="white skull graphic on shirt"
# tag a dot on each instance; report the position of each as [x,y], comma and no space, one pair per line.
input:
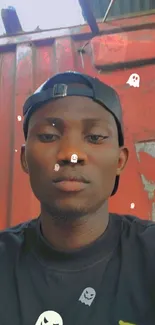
[49,318]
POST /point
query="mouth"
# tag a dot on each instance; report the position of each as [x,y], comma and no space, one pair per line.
[71,184]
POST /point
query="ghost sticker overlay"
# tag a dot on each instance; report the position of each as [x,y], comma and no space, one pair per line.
[49,317]
[74,158]
[56,167]
[134,80]
[87,297]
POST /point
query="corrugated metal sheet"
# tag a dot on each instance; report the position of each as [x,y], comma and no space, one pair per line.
[28,60]
[120,7]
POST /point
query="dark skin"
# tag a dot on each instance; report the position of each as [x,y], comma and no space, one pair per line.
[66,126]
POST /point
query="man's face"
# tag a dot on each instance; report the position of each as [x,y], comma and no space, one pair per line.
[72,125]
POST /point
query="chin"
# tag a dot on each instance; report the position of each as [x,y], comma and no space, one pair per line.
[66,210]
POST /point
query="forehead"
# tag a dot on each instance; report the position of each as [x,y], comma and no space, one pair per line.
[72,108]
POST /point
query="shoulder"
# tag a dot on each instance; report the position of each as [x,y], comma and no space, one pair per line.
[132,222]
[11,239]
[136,232]
[141,227]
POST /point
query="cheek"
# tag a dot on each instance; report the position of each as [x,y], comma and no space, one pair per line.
[105,163]
[105,158]
[40,159]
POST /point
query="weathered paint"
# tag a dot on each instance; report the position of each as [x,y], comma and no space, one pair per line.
[28,60]
[146,156]
[122,47]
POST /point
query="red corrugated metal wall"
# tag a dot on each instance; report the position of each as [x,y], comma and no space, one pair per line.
[28,60]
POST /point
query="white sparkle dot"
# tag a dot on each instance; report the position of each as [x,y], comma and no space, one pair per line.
[132,206]
[56,167]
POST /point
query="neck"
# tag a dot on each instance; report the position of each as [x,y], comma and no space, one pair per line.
[75,234]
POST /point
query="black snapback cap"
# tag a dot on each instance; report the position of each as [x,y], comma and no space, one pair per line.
[67,84]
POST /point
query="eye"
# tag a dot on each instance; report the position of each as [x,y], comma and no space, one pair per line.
[96,138]
[48,137]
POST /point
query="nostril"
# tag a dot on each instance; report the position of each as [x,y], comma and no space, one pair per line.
[80,161]
[65,161]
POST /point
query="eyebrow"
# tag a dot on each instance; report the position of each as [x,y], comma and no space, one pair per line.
[88,122]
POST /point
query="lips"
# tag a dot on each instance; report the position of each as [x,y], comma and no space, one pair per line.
[71,184]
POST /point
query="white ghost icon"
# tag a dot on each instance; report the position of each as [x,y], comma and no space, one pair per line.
[49,317]
[56,167]
[134,80]
[74,158]
[87,296]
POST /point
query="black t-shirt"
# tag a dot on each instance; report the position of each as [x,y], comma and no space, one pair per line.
[110,282]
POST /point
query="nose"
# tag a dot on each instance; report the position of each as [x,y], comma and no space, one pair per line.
[65,154]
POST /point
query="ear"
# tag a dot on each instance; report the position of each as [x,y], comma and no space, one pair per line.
[23,159]
[123,158]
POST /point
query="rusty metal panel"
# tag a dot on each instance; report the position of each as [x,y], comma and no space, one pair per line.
[117,56]
[120,47]
[27,61]
[7,71]
[120,7]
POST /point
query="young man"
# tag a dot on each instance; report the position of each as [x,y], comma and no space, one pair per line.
[77,264]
